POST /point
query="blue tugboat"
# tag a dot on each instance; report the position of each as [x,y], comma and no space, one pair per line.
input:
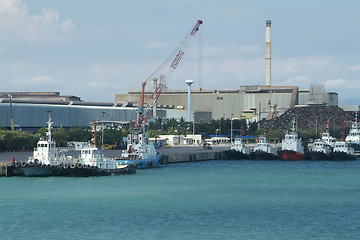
[141,150]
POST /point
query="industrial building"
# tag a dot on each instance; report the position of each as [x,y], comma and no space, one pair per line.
[30,111]
[215,104]
[250,102]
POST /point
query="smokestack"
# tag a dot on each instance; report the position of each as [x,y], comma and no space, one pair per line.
[268,54]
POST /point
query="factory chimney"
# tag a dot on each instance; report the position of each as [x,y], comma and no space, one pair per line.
[268,54]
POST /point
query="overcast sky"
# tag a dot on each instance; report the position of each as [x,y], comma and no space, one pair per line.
[97,48]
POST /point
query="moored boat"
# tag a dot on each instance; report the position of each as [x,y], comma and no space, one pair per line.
[263,151]
[140,149]
[353,138]
[48,161]
[318,151]
[238,150]
[342,151]
[291,146]
[46,157]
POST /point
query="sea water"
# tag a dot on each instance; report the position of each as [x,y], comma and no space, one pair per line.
[198,200]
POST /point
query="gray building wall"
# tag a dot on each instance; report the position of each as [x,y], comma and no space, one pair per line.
[36,115]
[223,103]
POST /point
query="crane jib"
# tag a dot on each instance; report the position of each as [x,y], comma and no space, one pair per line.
[177,59]
[196,28]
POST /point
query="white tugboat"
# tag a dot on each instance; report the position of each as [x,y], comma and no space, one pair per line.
[238,150]
[318,151]
[342,151]
[240,146]
[353,138]
[92,157]
[45,157]
[48,161]
[326,137]
[263,150]
[291,146]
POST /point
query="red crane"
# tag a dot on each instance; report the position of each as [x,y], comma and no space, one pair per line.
[163,73]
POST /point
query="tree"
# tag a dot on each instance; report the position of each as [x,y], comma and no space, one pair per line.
[61,137]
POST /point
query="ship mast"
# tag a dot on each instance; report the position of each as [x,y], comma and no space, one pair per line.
[49,122]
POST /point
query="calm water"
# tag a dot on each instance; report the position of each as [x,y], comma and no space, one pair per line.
[202,200]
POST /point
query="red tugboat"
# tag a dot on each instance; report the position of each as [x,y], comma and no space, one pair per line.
[291,146]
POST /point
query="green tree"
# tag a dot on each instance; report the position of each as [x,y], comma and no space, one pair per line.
[61,137]
[79,134]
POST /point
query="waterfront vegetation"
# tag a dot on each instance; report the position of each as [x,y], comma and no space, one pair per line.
[21,140]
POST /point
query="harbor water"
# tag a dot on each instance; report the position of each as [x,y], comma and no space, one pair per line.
[198,200]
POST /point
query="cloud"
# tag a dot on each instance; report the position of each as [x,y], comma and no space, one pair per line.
[342,84]
[308,65]
[354,67]
[302,81]
[39,81]
[230,50]
[44,27]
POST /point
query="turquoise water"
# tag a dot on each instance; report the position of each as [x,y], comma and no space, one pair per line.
[200,200]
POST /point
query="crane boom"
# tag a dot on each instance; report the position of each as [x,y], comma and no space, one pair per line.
[165,70]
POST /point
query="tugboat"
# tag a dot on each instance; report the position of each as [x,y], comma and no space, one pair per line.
[319,151]
[263,151]
[326,137]
[140,149]
[353,138]
[342,151]
[238,150]
[291,146]
[48,161]
[91,157]
[46,157]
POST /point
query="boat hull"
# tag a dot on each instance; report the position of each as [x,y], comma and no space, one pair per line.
[261,155]
[71,170]
[37,171]
[290,155]
[148,163]
[235,155]
[312,155]
[341,156]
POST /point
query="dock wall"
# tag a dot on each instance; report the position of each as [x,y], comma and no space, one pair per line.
[191,157]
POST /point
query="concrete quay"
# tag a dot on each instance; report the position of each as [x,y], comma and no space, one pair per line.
[180,154]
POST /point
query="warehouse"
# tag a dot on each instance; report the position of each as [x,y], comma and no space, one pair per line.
[30,111]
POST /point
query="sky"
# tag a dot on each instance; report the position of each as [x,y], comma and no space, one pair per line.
[95,49]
